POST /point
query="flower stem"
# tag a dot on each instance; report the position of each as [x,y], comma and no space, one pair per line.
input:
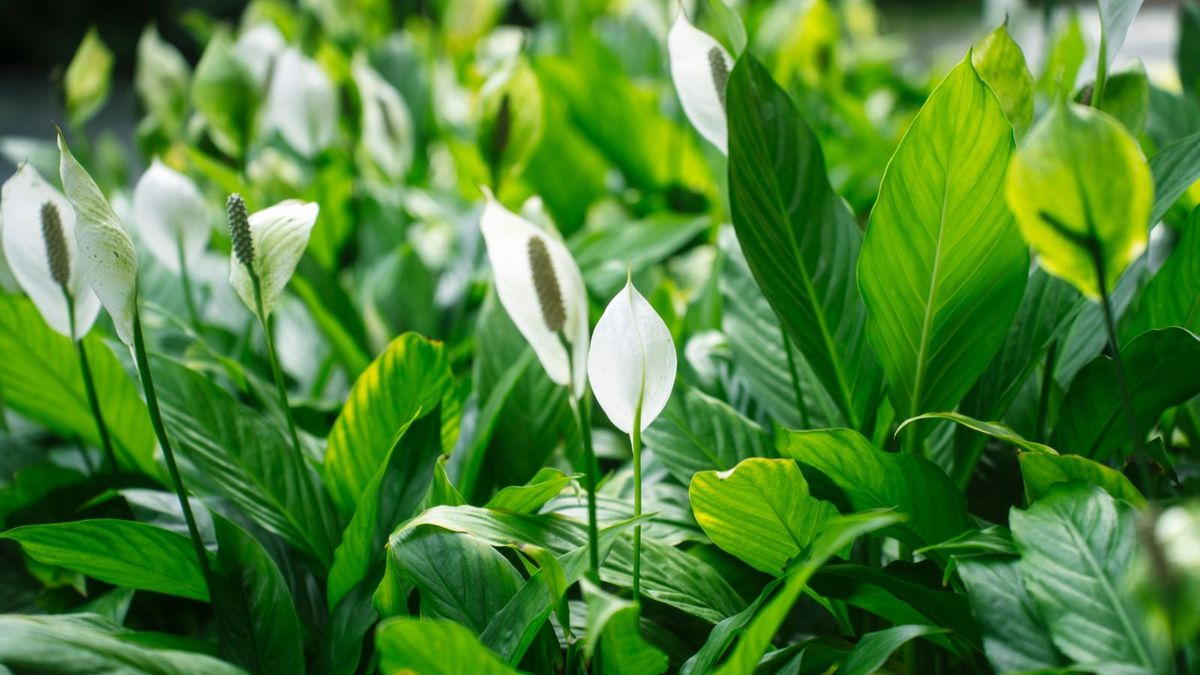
[276,371]
[583,424]
[635,439]
[89,387]
[143,367]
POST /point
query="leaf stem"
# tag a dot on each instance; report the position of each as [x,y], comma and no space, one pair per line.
[1101,72]
[89,386]
[143,367]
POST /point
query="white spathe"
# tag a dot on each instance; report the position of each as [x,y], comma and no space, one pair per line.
[280,234]
[632,362]
[507,236]
[170,216]
[692,52]
[301,104]
[106,253]
[257,48]
[387,126]
[21,202]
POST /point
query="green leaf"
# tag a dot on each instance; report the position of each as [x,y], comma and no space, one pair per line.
[799,238]
[1175,168]
[1000,63]
[669,575]
[697,432]
[1126,98]
[1015,638]
[759,511]
[511,630]
[1064,59]
[459,577]
[835,536]
[1043,471]
[88,643]
[874,649]
[1160,371]
[258,623]
[943,268]
[1076,546]
[1116,16]
[244,458]
[725,632]
[410,376]
[731,23]
[855,472]
[529,498]
[612,623]
[1172,298]
[409,645]
[119,552]
[40,378]
[226,95]
[88,78]
[605,254]
[996,430]
[1082,193]
[393,495]
[1187,55]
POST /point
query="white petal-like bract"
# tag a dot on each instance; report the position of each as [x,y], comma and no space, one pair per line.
[257,48]
[170,214]
[508,238]
[387,126]
[632,360]
[700,67]
[106,253]
[280,235]
[302,103]
[21,204]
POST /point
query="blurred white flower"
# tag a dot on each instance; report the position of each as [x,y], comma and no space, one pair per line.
[387,126]
[541,288]
[257,48]
[279,234]
[301,104]
[632,361]
[700,69]
[25,205]
[171,216]
[106,253]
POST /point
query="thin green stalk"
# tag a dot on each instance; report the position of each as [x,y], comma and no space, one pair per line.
[89,387]
[581,411]
[143,367]
[1044,395]
[791,363]
[635,439]
[1101,74]
[185,281]
[276,371]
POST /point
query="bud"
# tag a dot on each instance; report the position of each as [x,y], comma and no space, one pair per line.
[239,230]
[56,245]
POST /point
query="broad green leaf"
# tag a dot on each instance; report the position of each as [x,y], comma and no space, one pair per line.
[606,253]
[943,267]
[697,432]
[759,511]
[1187,55]
[393,495]
[612,624]
[1077,545]
[1160,371]
[996,430]
[486,421]
[843,466]
[119,552]
[459,577]
[799,238]
[1015,637]
[511,630]
[1042,471]
[669,575]
[410,645]
[257,617]
[410,375]
[40,378]
[246,459]
[725,632]
[835,536]
[1081,191]
[226,95]
[874,649]
[1000,63]
[350,621]
[88,78]
[1066,55]
[1126,98]
[528,498]
[1175,168]
[87,643]
[1172,298]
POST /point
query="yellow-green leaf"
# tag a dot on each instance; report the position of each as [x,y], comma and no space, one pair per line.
[88,78]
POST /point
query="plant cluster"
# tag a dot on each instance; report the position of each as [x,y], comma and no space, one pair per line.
[570,336]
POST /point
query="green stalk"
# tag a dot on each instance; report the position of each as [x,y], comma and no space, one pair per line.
[581,411]
[185,281]
[273,358]
[143,367]
[1101,73]
[89,387]
[635,439]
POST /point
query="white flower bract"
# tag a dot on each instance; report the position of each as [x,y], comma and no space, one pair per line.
[301,104]
[692,53]
[170,214]
[280,234]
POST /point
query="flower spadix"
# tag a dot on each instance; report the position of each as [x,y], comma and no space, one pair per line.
[106,253]
[39,241]
[700,69]
[542,290]
[171,216]
[271,242]
[632,362]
